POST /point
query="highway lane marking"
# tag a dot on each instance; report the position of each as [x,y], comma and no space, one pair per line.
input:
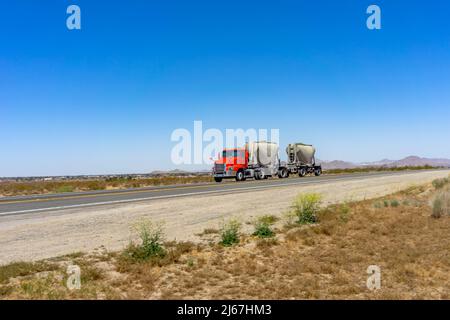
[164,197]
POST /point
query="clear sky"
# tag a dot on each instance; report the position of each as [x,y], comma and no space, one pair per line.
[106,98]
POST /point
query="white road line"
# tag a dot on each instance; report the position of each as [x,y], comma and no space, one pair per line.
[164,197]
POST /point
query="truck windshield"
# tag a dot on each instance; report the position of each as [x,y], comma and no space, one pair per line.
[232,153]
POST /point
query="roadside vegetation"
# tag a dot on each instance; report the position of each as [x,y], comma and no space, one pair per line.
[11,188]
[230,233]
[314,252]
[263,226]
[377,169]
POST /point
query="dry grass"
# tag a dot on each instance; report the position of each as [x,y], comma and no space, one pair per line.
[41,187]
[377,169]
[326,260]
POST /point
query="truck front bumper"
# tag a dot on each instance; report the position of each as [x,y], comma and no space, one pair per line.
[225,174]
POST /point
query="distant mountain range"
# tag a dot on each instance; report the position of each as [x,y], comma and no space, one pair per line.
[411,161]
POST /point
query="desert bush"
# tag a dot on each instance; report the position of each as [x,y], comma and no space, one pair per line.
[377,205]
[437,208]
[440,183]
[263,230]
[441,204]
[230,233]
[64,189]
[262,227]
[151,236]
[306,207]
[395,203]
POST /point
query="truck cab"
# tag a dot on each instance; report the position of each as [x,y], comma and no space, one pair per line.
[232,163]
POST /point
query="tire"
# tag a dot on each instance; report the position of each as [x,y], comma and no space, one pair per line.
[257,175]
[262,175]
[302,172]
[284,173]
[240,176]
[318,172]
[216,179]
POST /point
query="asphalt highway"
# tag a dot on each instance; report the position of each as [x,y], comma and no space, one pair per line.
[49,202]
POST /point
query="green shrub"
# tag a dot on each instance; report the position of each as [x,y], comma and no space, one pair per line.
[395,203]
[306,207]
[441,205]
[438,208]
[263,230]
[230,233]
[151,237]
[440,183]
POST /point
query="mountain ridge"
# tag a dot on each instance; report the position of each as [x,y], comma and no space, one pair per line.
[409,161]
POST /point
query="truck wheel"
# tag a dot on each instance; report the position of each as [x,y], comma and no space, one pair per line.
[216,179]
[257,175]
[302,172]
[284,173]
[317,172]
[240,176]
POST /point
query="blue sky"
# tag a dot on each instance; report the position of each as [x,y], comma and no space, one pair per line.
[106,98]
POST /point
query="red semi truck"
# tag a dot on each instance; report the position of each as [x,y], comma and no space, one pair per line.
[260,160]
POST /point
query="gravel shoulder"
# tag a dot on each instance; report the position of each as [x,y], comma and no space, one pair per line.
[46,235]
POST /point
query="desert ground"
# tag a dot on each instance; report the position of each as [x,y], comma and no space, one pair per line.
[44,235]
[319,248]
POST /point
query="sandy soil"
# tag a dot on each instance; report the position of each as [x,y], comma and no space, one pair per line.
[45,235]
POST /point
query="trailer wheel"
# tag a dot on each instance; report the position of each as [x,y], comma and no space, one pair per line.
[302,172]
[240,176]
[262,175]
[257,175]
[318,172]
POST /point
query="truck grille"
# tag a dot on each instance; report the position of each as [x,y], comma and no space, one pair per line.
[219,168]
